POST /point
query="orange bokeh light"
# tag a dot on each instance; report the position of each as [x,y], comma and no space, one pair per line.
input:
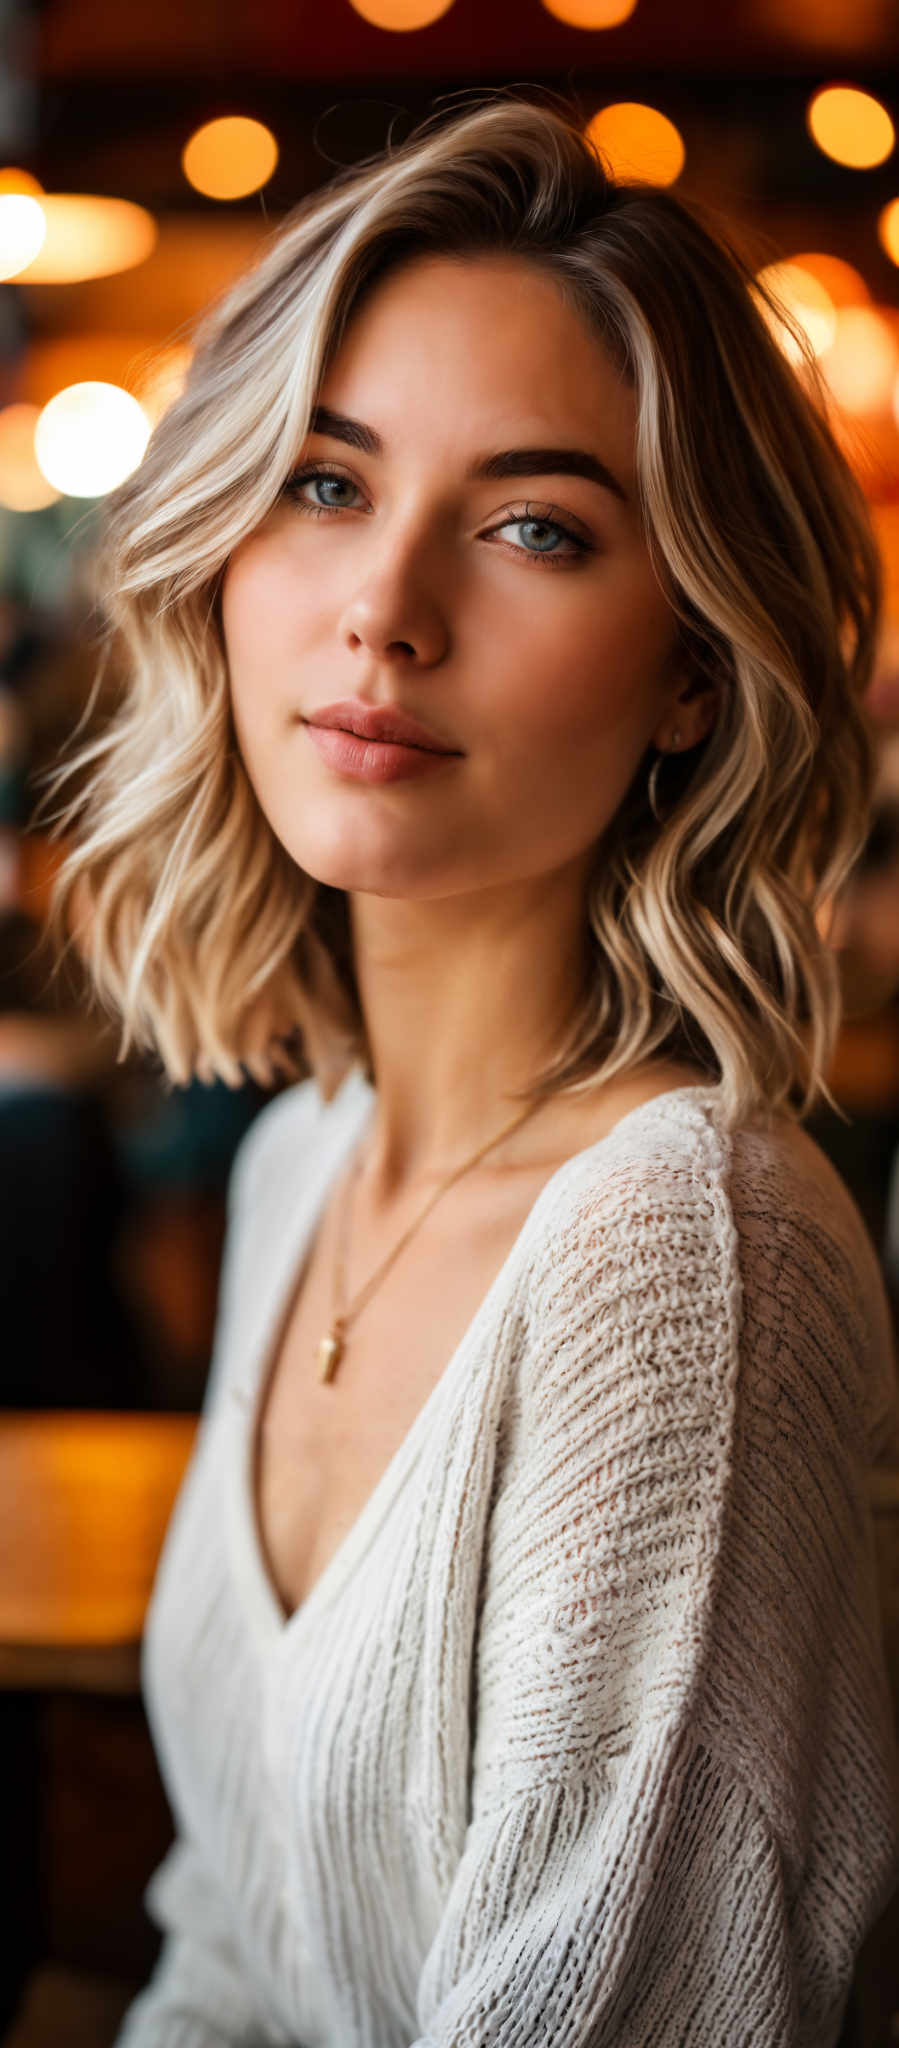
[591,13]
[806,299]
[14,180]
[888,229]
[401,14]
[850,126]
[861,363]
[23,230]
[23,488]
[638,142]
[89,237]
[230,158]
[843,284]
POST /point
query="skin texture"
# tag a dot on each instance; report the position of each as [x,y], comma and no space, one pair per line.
[549,668]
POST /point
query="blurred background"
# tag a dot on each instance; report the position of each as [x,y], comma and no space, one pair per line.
[146,152]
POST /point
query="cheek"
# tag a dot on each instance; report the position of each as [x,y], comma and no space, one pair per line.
[593,675]
[259,614]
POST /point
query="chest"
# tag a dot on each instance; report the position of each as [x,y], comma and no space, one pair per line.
[321,1448]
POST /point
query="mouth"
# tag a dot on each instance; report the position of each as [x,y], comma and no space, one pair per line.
[381,739]
[360,757]
[379,725]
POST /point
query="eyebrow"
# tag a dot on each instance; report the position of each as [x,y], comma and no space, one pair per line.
[508,462]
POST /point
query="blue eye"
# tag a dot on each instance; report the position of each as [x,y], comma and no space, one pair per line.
[546,533]
[327,478]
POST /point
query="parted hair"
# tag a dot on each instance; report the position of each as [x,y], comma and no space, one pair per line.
[201,933]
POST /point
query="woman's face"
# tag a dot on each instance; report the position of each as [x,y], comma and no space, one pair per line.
[446,556]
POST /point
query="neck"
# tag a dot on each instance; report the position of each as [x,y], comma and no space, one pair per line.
[464,1000]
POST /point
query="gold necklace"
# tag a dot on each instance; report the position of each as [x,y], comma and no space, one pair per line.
[333,1344]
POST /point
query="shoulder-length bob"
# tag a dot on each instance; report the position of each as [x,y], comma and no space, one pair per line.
[203,936]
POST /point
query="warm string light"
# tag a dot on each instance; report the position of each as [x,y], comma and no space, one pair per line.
[862,361]
[850,126]
[854,342]
[89,438]
[844,285]
[80,236]
[401,15]
[23,228]
[888,229]
[229,158]
[637,142]
[87,237]
[591,13]
[23,487]
[14,180]
[808,302]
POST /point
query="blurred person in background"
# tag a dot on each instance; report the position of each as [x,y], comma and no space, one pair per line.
[496,607]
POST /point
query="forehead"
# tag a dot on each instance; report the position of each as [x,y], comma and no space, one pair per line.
[480,350]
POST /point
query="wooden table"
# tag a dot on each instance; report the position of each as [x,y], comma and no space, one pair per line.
[85,1499]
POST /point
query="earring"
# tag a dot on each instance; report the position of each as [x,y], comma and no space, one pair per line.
[652,787]
[652,790]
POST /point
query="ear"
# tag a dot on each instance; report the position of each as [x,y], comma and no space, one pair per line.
[689,716]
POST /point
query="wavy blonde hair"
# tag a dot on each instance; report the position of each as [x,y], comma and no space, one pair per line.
[202,934]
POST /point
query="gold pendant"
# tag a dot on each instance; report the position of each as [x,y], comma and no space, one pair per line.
[329,1354]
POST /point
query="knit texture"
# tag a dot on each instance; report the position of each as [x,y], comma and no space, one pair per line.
[583,1737]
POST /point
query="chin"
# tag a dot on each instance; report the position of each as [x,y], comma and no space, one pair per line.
[363,874]
[342,854]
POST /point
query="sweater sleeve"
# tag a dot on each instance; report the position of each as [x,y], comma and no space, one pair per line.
[645,1812]
[200,1994]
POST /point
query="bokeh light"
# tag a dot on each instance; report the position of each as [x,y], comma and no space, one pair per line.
[806,299]
[14,180]
[638,142]
[22,230]
[850,126]
[862,361]
[89,237]
[22,486]
[591,13]
[401,14]
[89,438]
[888,229]
[844,285]
[230,158]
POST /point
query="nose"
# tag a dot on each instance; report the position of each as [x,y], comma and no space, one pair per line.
[394,612]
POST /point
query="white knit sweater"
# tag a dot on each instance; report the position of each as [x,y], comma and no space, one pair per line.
[583,1736]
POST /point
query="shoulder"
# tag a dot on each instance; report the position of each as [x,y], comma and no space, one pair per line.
[680,1235]
[651,1197]
[815,1306]
[634,1288]
[672,1180]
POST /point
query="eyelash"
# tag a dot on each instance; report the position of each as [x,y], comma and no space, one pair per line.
[299,477]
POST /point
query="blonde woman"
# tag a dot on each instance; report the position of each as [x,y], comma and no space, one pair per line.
[496,606]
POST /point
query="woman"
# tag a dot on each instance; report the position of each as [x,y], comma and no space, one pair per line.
[497,606]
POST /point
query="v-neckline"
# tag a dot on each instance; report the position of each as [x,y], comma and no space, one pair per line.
[355,1102]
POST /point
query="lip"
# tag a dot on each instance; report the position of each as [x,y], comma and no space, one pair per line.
[380,761]
[379,722]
